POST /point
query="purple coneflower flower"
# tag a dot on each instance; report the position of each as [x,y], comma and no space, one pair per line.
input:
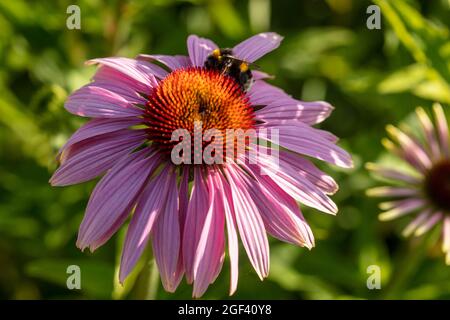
[425,189]
[184,209]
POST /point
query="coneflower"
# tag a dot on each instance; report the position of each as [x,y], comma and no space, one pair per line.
[184,207]
[424,190]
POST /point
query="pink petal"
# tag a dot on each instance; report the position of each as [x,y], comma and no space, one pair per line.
[92,157]
[211,245]
[308,170]
[166,238]
[399,208]
[182,212]
[302,139]
[120,136]
[250,225]
[392,192]
[296,186]
[261,94]
[115,81]
[430,223]
[419,220]
[113,198]
[428,130]
[288,109]
[393,174]
[442,129]
[172,62]
[412,150]
[151,203]
[224,193]
[184,196]
[96,102]
[119,77]
[198,207]
[280,213]
[138,70]
[199,49]
[96,127]
[257,46]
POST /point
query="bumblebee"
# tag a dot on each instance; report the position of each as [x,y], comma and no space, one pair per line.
[224,61]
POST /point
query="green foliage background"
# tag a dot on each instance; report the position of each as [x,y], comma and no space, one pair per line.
[372,77]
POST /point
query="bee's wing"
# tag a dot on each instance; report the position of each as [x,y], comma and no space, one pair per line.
[254,66]
[251,64]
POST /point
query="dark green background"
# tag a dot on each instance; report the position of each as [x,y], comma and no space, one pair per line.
[372,77]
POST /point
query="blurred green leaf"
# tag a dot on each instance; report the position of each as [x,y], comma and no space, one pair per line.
[96,277]
[34,142]
[427,42]
[417,79]
[227,18]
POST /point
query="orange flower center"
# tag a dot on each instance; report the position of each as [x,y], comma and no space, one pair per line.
[187,96]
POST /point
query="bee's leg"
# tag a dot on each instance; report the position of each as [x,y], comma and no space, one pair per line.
[246,79]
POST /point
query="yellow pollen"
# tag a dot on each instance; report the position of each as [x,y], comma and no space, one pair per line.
[216,53]
[243,67]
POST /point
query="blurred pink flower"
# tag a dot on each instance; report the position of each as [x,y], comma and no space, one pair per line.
[425,189]
[135,104]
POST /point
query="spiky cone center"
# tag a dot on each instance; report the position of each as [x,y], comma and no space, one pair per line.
[191,96]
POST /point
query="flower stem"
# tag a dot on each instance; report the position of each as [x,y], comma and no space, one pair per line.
[148,279]
[152,280]
[406,269]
